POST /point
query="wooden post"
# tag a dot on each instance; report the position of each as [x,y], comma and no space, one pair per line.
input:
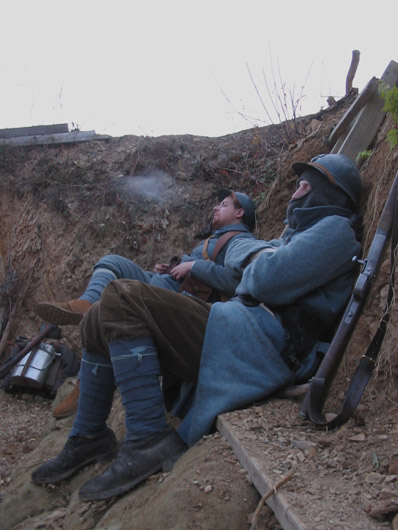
[352,70]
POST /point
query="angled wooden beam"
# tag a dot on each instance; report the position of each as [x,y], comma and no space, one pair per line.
[368,120]
[344,124]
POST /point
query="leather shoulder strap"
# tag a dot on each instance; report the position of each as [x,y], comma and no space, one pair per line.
[222,240]
[204,249]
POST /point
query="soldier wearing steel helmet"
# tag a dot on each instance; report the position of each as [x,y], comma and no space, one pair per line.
[230,354]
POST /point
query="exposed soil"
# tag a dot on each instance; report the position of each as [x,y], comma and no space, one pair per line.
[23,418]
[62,208]
[208,488]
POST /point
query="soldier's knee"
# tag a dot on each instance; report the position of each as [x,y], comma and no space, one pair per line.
[89,324]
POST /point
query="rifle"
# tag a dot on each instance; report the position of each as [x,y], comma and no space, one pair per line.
[320,384]
[6,367]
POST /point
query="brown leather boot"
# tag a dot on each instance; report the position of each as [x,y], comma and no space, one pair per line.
[68,406]
[63,313]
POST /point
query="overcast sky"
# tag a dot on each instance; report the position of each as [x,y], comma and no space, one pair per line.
[155,67]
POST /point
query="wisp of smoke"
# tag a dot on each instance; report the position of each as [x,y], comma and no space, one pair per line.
[153,184]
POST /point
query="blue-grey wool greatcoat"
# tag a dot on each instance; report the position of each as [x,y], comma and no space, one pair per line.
[311,265]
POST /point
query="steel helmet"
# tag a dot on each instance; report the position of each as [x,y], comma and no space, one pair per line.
[339,170]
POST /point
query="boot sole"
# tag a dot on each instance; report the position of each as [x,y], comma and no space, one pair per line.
[62,476]
[57,316]
[165,466]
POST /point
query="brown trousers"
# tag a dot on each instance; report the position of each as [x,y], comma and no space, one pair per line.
[129,309]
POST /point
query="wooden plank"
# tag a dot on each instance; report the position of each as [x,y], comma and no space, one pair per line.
[269,439]
[368,120]
[34,130]
[344,124]
[62,138]
[278,502]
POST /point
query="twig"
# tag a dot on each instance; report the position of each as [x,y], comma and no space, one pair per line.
[11,316]
[7,328]
[270,492]
[258,94]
